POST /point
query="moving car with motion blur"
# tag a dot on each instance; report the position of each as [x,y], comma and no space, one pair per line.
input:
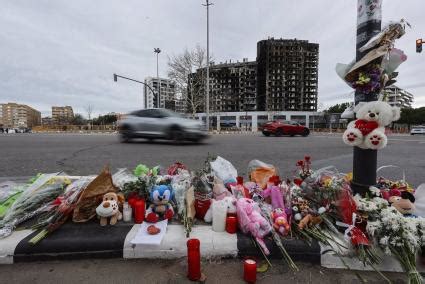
[420,129]
[159,123]
[279,128]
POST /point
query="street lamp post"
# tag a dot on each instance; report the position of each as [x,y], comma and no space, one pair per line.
[116,76]
[365,160]
[158,51]
[207,95]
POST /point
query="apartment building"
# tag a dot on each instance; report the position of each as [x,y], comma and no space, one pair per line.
[398,97]
[283,78]
[13,115]
[167,90]
[62,114]
[287,75]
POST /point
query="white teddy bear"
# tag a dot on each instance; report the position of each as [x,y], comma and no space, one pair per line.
[368,131]
[229,202]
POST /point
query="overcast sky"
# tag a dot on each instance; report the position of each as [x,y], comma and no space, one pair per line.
[62,52]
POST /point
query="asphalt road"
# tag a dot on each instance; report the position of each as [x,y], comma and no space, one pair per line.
[166,271]
[83,154]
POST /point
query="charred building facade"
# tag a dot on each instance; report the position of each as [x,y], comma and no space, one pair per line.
[287,75]
[232,86]
[283,78]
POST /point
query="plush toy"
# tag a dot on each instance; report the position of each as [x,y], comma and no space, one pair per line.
[308,220]
[280,221]
[110,208]
[368,131]
[219,190]
[274,192]
[239,190]
[251,221]
[230,203]
[160,196]
[405,203]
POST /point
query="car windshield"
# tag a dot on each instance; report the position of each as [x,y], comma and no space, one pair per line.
[168,113]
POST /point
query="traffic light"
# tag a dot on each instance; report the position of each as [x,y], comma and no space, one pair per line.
[115,77]
[419,45]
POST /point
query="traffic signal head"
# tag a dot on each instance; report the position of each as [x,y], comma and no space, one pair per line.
[115,77]
[419,45]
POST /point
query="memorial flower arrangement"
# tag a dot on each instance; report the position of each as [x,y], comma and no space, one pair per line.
[315,205]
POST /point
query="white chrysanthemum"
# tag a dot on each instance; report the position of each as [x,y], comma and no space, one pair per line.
[384,241]
[387,251]
[321,210]
[375,191]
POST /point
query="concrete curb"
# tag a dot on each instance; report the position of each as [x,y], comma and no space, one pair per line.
[90,240]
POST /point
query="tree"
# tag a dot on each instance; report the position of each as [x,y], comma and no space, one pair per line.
[89,110]
[78,119]
[105,119]
[338,108]
[412,116]
[181,69]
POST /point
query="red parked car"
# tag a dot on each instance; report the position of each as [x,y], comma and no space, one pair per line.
[279,128]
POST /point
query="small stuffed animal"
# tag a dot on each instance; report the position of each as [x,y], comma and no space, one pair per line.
[230,203]
[368,131]
[160,196]
[239,190]
[280,221]
[251,221]
[308,220]
[110,208]
[405,203]
[274,192]
[219,190]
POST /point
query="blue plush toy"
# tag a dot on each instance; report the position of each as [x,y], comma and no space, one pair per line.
[160,197]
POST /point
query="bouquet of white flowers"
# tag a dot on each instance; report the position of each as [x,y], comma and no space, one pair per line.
[401,237]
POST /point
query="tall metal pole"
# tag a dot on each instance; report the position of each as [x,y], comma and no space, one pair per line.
[207,95]
[365,160]
[157,51]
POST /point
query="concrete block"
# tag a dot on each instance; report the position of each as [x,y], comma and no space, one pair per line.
[9,244]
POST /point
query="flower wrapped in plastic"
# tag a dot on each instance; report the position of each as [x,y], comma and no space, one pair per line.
[355,231]
[60,209]
[35,200]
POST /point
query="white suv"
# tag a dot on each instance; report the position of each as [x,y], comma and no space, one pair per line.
[160,124]
[417,130]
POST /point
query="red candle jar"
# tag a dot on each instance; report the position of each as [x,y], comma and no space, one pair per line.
[139,211]
[193,260]
[231,224]
[131,201]
[250,271]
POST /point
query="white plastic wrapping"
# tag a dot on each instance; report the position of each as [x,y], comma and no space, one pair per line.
[223,169]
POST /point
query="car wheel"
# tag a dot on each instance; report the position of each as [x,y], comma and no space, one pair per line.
[279,132]
[176,135]
[125,135]
[266,133]
[125,138]
[306,132]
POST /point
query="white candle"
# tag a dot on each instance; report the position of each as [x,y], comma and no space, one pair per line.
[219,210]
[126,212]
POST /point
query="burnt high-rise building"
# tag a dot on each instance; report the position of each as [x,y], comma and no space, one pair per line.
[283,78]
[232,86]
[287,72]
